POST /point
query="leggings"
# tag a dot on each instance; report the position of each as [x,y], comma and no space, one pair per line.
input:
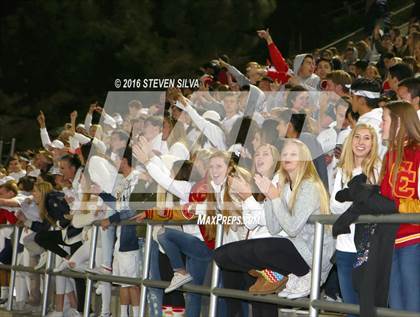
[53,241]
[237,258]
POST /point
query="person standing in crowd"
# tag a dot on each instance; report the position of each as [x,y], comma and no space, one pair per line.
[14,168]
[400,182]
[359,155]
[409,90]
[126,251]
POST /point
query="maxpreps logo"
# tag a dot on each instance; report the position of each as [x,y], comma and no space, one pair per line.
[219,219]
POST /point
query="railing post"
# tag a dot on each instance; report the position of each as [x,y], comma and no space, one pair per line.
[12,147]
[316,267]
[215,273]
[13,272]
[47,279]
[1,151]
[92,253]
[146,265]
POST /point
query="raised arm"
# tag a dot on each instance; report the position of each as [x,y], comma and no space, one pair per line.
[45,138]
[275,55]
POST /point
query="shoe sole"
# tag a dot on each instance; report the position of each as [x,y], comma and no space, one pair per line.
[178,285]
[296,296]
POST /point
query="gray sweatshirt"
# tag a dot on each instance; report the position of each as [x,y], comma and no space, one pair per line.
[300,233]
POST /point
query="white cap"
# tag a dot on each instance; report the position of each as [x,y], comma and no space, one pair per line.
[117,117]
[5,179]
[34,173]
[57,144]
[109,121]
[81,125]
[212,115]
[55,171]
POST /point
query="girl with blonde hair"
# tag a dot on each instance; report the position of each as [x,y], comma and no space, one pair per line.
[359,155]
[292,197]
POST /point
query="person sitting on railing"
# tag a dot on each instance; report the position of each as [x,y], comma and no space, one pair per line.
[66,239]
[182,186]
[265,164]
[192,241]
[359,155]
[298,194]
[400,182]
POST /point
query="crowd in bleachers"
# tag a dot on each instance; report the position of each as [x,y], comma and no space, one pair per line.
[328,133]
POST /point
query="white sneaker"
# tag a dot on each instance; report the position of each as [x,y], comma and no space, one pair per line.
[71,312]
[42,261]
[55,314]
[299,286]
[62,266]
[100,270]
[177,281]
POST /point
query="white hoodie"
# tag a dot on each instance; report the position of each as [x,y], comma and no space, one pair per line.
[311,82]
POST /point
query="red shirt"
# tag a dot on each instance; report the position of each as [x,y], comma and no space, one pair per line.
[198,194]
[279,63]
[406,187]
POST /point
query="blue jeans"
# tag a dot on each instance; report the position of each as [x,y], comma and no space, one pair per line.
[404,292]
[344,262]
[154,295]
[198,256]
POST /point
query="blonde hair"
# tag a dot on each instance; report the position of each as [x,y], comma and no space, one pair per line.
[44,188]
[11,186]
[274,153]
[306,172]
[369,163]
[98,132]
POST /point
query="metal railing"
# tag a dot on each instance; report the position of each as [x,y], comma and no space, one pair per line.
[314,304]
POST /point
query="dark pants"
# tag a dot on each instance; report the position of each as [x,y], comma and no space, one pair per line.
[237,258]
[52,241]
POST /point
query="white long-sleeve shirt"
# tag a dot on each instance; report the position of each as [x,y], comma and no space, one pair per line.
[45,138]
[214,134]
[161,175]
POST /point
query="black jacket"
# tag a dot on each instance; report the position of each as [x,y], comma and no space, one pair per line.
[374,243]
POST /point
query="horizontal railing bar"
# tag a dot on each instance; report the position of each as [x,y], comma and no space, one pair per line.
[222,292]
[354,309]
[325,219]
[153,222]
[394,218]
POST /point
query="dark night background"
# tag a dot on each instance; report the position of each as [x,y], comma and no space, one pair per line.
[61,55]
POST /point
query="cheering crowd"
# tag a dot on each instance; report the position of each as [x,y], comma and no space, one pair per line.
[327,133]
